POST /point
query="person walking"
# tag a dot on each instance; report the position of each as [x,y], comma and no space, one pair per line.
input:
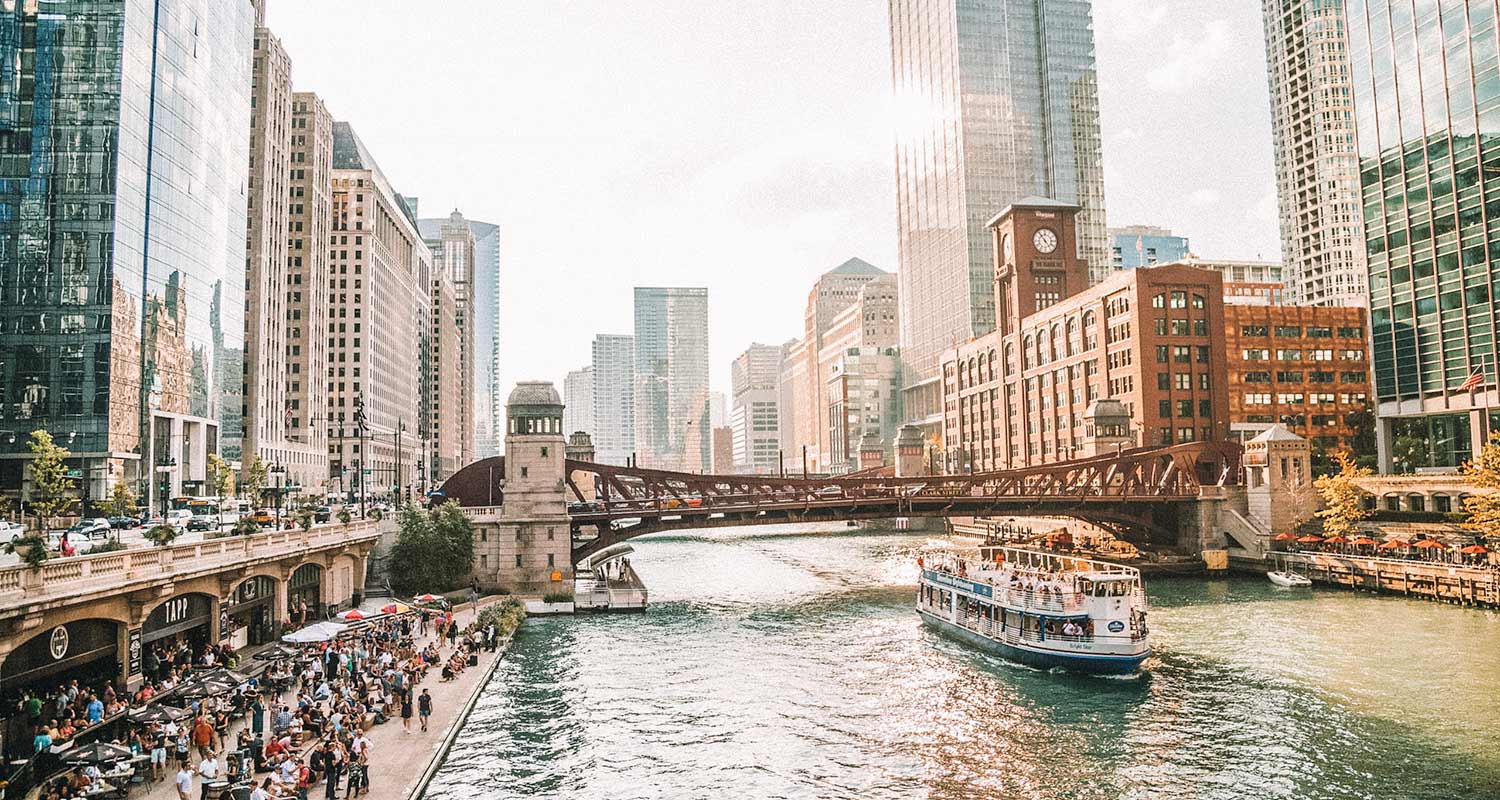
[424,708]
[406,710]
[184,783]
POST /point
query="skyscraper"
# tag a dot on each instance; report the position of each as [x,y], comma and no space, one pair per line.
[311,211]
[481,313]
[671,378]
[1317,171]
[1144,246]
[998,101]
[453,247]
[578,402]
[1427,110]
[614,398]
[123,163]
[754,424]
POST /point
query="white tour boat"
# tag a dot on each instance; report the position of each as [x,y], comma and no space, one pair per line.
[1041,609]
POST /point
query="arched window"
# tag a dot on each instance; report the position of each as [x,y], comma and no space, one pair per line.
[1072,336]
[992,361]
[1159,301]
[1010,358]
[972,369]
[1056,346]
[1198,301]
[1026,360]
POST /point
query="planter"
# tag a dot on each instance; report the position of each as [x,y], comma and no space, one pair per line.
[539,608]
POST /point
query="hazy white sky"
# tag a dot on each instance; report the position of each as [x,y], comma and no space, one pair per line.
[746,147]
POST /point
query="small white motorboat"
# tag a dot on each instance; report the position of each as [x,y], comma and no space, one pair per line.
[1288,579]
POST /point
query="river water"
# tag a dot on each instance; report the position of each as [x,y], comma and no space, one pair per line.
[778,663]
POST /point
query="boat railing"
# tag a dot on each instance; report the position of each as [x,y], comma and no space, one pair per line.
[1012,635]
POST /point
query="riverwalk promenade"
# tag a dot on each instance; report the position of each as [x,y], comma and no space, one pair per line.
[398,760]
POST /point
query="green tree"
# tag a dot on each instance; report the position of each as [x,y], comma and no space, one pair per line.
[434,550]
[51,488]
[1343,500]
[121,502]
[255,480]
[1484,504]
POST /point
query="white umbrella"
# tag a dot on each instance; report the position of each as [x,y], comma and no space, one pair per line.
[316,632]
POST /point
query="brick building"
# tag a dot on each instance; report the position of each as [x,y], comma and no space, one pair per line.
[1306,367]
[1146,337]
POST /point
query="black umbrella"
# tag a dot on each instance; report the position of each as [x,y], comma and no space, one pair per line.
[156,714]
[221,674]
[96,753]
[278,652]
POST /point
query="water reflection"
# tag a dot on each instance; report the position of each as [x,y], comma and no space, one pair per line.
[791,666]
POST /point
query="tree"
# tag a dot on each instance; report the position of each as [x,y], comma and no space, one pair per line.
[121,502]
[1408,453]
[1343,500]
[223,476]
[434,550]
[50,484]
[1484,504]
[255,480]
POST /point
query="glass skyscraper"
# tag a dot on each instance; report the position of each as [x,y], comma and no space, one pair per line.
[671,378]
[997,100]
[124,136]
[1426,79]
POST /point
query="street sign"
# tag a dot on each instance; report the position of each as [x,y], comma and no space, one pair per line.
[369,472]
[75,473]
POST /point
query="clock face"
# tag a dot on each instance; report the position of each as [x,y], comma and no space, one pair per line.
[1005,245]
[1044,240]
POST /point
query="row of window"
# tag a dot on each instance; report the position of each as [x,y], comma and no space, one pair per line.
[1296,376]
[1263,354]
[1297,331]
[1298,398]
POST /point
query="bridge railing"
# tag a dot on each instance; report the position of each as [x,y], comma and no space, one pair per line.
[60,576]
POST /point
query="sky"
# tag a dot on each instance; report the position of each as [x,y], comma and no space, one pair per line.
[746,147]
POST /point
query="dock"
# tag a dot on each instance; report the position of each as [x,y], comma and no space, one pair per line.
[1449,583]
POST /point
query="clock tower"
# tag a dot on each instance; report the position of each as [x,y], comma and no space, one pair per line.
[1036,259]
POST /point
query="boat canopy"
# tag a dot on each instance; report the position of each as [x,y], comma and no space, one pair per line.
[605,556]
[1108,576]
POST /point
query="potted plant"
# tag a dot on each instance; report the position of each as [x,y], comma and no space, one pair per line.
[344,516]
[162,535]
[32,548]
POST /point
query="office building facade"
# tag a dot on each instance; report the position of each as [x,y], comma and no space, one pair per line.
[578,401]
[1144,246]
[754,415]
[123,167]
[1426,83]
[1317,169]
[613,369]
[310,212]
[671,379]
[997,100]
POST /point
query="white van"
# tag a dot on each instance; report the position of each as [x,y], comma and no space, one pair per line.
[178,518]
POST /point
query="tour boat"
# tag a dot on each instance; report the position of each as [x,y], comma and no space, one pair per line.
[1288,579]
[1041,609]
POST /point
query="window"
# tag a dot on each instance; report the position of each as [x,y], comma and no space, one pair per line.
[1179,299]
[551,559]
[1290,398]
[1161,326]
[1288,332]
[1288,376]
[1161,354]
[1203,380]
[1320,355]
[1185,434]
[1185,381]
[1164,408]
[1184,408]
[1320,377]
[1257,377]
[1182,354]
[544,452]
[1202,353]
[523,472]
[1163,381]
[1352,333]
[1198,302]
[1257,399]
[1289,355]
[1256,354]
[1319,333]
[1351,377]
[1254,330]
[1200,327]
[518,560]
[1352,355]
[1205,408]
[1159,301]
[1179,327]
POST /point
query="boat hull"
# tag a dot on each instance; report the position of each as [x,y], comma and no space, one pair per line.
[1289,582]
[1073,662]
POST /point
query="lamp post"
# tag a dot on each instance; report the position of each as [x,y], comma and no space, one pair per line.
[359,463]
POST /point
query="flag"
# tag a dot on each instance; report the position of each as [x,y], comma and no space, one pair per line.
[1475,381]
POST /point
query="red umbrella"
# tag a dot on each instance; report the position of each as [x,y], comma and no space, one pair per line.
[1364,541]
[1431,544]
[1283,537]
[1475,550]
[1393,544]
[427,598]
[1310,539]
[352,613]
[1335,540]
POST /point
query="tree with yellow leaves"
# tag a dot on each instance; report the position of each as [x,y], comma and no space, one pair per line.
[1343,500]
[1483,505]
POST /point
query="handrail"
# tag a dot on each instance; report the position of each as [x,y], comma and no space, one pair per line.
[175,559]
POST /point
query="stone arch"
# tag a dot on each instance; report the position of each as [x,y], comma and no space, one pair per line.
[188,616]
[305,585]
[253,608]
[72,648]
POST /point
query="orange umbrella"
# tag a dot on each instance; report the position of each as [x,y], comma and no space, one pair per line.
[1393,544]
[1283,537]
[1364,541]
[1475,550]
[1430,544]
[351,614]
[1310,539]
[1335,540]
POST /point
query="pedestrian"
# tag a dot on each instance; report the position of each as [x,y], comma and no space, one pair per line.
[257,716]
[424,708]
[203,734]
[263,791]
[406,710]
[184,783]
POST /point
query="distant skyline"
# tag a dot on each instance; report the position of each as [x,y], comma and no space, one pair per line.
[748,149]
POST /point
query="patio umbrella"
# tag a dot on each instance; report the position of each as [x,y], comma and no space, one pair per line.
[1431,544]
[96,753]
[1475,550]
[1393,544]
[156,714]
[1284,537]
[222,674]
[1310,539]
[351,614]
[395,608]
[1364,541]
[316,632]
[277,652]
[1335,540]
[427,598]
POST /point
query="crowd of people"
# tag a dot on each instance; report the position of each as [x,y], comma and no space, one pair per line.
[306,719]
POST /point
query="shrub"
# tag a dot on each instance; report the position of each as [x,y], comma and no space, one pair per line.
[507,616]
[162,535]
[34,546]
[557,597]
[345,516]
[111,546]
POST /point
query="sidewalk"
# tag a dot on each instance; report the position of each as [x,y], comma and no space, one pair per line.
[397,759]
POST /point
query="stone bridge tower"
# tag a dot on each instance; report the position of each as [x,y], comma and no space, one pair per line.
[535,546]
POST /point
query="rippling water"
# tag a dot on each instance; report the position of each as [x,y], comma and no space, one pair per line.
[778,663]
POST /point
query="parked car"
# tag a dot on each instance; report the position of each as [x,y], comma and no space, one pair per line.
[82,536]
[125,523]
[202,524]
[10,530]
[322,514]
[263,517]
[178,517]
